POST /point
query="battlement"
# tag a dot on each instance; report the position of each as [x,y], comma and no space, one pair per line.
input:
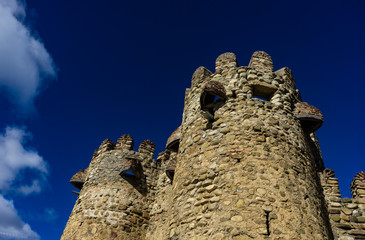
[347,215]
[116,190]
[125,142]
[262,62]
[256,82]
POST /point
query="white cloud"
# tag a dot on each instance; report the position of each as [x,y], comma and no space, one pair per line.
[15,7]
[24,62]
[25,65]
[11,226]
[35,187]
[15,157]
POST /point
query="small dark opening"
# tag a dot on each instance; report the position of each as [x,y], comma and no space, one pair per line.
[234,95]
[174,146]
[211,104]
[267,224]
[138,183]
[170,172]
[310,125]
[209,125]
[262,92]
[212,98]
[129,176]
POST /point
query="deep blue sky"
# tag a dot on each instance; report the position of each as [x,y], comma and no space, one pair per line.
[124,66]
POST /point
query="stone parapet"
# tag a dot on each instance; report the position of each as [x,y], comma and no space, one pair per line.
[347,215]
[116,196]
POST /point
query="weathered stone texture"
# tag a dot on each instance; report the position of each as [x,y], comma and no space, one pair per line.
[347,215]
[112,205]
[244,164]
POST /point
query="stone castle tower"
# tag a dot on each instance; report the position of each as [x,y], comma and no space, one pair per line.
[244,164]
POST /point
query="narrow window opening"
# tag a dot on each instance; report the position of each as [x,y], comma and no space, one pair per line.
[267,224]
[211,104]
[174,146]
[212,98]
[170,172]
[234,95]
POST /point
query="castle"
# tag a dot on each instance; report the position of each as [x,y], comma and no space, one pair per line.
[244,164]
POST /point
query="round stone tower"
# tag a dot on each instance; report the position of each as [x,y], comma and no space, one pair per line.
[247,159]
[115,193]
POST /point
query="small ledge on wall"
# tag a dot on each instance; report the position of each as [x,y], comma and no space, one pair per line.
[172,146]
[173,141]
[310,117]
[78,179]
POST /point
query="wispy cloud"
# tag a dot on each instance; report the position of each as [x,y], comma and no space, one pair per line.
[11,226]
[25,64]
[48,215]
[15,157]
[35,187]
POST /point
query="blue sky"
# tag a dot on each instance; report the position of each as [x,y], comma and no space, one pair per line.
[73,73]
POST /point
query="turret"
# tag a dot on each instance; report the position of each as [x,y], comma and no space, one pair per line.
[116,190]
[246,160]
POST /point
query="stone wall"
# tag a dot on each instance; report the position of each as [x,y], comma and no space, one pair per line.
[245,168]
[244,164]
[160,219]
[113,204]
[347,214]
